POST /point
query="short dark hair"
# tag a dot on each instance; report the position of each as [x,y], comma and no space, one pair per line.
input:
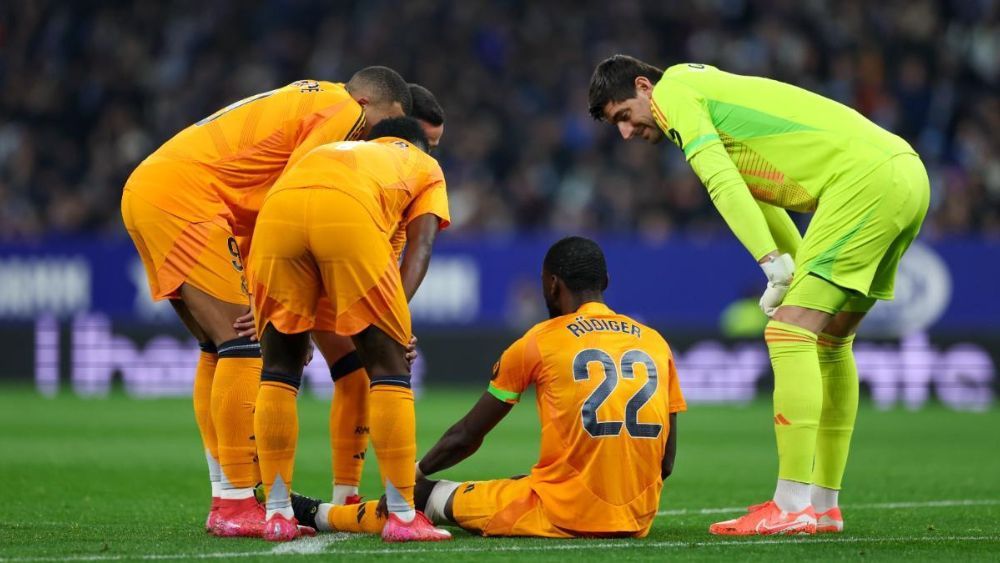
[579,263]
[386,86]
[426,106]
[614,81]
[405,128]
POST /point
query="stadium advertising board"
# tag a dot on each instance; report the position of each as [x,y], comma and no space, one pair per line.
[91,356]
[494,283]
[81,308]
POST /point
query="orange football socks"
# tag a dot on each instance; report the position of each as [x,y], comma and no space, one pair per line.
[237,375]
[393,433]
[202,397]
[358,518]
[348,423]
[276,424]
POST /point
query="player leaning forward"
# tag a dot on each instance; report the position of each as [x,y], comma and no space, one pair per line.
[190,208]
[322,259]
[749,139]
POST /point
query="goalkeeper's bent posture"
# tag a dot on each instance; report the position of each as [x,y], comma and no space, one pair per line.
[750,138]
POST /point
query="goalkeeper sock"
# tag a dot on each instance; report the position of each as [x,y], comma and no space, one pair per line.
[393,433]
[840,408]
[798,401]
[276,425]
[234,391]
[348,425]
[202,399]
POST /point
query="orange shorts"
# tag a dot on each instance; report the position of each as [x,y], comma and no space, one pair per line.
[504,507]
[175,251]
[319,262]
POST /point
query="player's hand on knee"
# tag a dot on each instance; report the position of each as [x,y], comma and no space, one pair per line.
[411,351]
[245,326]
[780,270]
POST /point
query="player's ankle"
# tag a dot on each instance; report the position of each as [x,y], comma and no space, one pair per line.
[235,493]
[397,504]
[286,512]
[405,516]
[792,496]
[823,499]
[323,517]
[341,492]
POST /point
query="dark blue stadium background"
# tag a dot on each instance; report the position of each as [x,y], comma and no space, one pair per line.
[90,88]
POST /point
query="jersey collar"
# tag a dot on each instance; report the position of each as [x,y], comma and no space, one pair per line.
[594,308]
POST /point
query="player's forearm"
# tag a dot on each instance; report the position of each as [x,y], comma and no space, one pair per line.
[786,234]
[464,438]
[420,234]
[731,197]
[671,449]
[455,446]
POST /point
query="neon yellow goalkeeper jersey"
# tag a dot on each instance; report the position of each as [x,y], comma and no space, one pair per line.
[788,144]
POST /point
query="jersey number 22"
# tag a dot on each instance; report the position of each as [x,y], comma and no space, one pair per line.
[600,429]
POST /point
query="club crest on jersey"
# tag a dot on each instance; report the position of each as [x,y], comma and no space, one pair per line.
[582,325]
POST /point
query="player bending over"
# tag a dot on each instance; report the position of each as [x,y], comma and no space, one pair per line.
[322,260]
[748,139]
[349,408]
[190,209]
[607,394]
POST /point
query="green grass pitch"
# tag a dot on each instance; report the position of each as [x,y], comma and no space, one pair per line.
[121,479]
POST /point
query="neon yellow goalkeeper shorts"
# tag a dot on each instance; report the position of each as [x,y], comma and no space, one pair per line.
[860,232]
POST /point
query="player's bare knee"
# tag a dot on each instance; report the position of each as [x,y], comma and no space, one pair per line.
[381,354]
[214,316]
[810,319]
[844,324]
[284,353]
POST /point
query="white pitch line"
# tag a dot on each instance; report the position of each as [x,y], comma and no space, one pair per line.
[875,506]
[309,546]
[318,545]
[553,546]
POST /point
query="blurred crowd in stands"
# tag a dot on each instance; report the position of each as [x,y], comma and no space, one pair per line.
[89,88]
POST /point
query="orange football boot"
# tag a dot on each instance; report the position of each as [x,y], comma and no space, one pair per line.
[767,519]
[830,522]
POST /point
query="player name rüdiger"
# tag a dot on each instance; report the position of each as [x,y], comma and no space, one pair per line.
[582,325]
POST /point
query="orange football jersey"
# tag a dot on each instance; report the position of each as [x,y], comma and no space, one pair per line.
[220,168]
[605,387]
[393,180]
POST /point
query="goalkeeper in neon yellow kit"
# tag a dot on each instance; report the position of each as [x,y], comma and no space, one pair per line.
[761,147]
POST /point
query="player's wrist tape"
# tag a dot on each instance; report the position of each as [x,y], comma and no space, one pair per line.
[779,269]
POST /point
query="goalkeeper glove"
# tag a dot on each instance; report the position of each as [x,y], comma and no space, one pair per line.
[779,271]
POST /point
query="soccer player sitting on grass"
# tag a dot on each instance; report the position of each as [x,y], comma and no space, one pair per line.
[748,139]
[607,394]
[322,260]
